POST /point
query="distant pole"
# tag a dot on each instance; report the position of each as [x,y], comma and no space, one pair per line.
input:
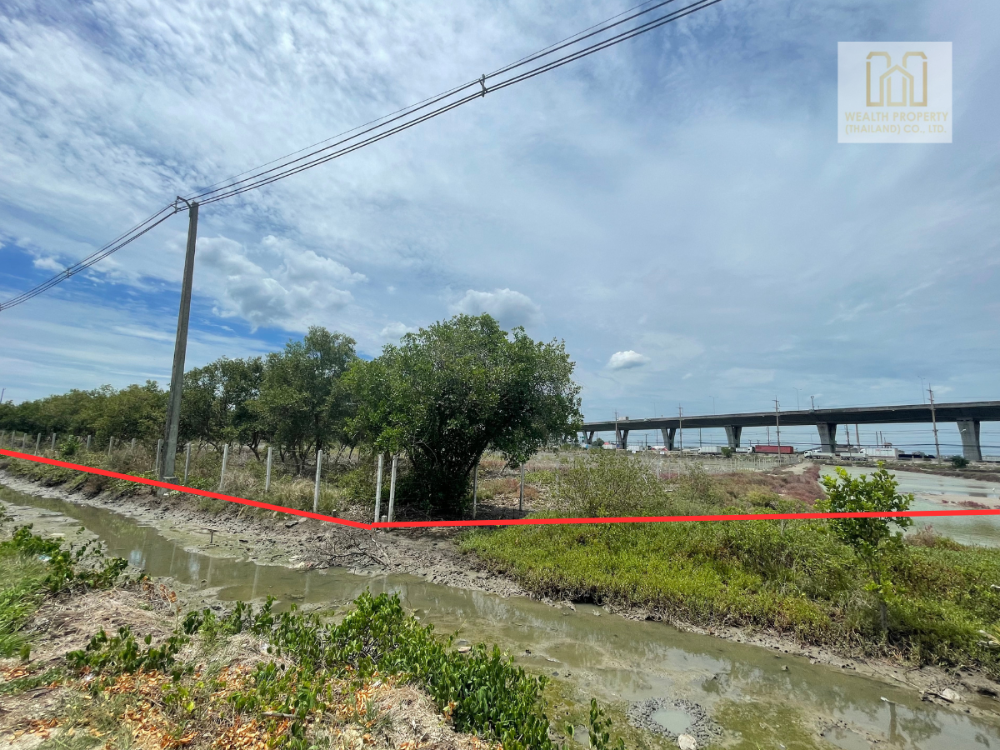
[797,407]
[187,462]
[680,426]
[475,487]
[159,454]
[520,502]
[937,445]
[392,488]
[180,349]
[225,459]
[857,436]
[319,469]
[267,477]
[777,423]
[378,487]
[812,400]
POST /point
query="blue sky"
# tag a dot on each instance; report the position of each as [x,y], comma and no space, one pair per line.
[677,209]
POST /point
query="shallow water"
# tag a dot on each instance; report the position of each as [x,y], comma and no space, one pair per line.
[933,492]
[770,698]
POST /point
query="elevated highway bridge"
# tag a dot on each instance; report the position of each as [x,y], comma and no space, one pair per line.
[967,416]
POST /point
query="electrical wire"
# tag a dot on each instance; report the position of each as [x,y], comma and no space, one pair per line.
[328,153]
[377,130]
[115,245]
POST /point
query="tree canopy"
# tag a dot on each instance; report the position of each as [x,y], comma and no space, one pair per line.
[456,389]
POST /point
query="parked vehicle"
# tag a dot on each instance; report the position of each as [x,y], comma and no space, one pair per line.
[774,449]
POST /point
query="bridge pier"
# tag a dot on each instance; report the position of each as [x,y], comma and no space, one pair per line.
[668,437]
[969,430]
[733,433]
[827,436]
[622,438]
[588,437]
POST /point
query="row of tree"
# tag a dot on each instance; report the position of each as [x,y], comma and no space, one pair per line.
[442,397]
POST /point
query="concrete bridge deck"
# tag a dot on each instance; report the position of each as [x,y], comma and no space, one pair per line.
[967,415]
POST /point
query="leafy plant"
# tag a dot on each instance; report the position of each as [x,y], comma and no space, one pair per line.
[959,462]
[871,538]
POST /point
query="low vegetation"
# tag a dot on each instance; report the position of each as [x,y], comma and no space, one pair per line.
[796,577]
[251,678]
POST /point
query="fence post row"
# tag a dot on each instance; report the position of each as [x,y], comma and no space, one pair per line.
[520,502]
[225,459]
[378,488]
[187,462]
[319,469]
[392,487]
[475,487]
[267,477]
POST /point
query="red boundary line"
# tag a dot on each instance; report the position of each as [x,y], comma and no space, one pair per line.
[508,522]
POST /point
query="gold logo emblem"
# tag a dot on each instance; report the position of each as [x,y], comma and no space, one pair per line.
[903,78]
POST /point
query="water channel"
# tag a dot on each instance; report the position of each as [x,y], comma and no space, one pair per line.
[772,700]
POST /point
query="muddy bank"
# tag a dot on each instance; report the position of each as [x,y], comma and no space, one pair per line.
[280,539]
[136,708]
[433,556]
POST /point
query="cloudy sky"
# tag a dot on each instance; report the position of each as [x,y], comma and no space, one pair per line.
[677,208]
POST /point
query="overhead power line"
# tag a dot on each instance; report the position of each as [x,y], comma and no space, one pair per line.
[543,61]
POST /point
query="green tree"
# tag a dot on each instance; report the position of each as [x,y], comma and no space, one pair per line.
[136,411]
[872,539]
[303,403]
[456,389]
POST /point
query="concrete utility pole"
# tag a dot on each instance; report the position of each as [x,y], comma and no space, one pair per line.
[937,445]
[180,349]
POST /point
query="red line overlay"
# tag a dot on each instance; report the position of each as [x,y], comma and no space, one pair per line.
[506,522]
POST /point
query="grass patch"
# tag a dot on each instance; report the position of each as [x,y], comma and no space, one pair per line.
[794,577]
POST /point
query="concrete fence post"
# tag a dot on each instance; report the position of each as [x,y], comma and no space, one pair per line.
[132,448]
[392,488]
[187,462]
[520,502]
[13,437]
[319,469]
[24,441]
[53,441]
[225,459]
[267,476]
[475,487]
[89,438]
[38,443]
[378,487]
[159,454]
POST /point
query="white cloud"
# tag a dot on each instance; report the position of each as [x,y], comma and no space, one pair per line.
[396,331]
[48,264]
[299,293]
[510,308]
[627,360]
